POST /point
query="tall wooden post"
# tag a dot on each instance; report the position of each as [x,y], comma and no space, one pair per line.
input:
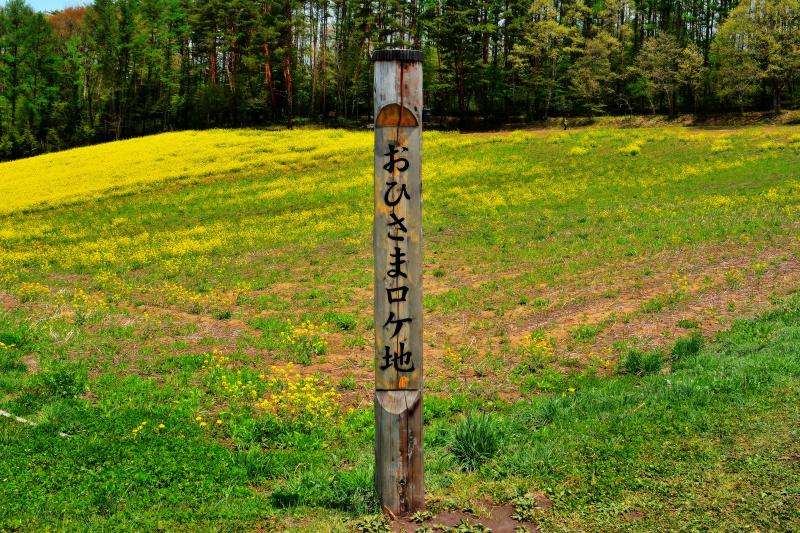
[397,238]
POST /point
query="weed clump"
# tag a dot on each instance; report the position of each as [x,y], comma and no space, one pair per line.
[537,352]
[631,149]
[687,347]
[641,363]
[586,332]
[60,380]
[524,508]
[475,440]
[304,341]
[341,321]
[372,524]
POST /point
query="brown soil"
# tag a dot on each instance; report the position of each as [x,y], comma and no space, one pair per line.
[718,285]
[498,518]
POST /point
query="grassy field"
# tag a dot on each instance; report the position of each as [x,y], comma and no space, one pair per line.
[194,311]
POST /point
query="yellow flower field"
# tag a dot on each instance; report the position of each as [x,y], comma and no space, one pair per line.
[125,166]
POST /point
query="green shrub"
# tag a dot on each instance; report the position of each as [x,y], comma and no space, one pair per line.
[475,439]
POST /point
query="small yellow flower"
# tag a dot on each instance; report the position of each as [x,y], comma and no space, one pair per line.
[219,422]
[161,426]
[571,389]
[203,424]
[198,418]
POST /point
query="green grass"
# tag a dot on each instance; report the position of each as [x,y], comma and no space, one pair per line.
[119,307]
[714,441]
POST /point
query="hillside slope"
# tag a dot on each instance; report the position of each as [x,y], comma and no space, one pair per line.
[220,284]
[126,166]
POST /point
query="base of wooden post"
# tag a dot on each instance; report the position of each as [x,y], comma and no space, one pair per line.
[398,451]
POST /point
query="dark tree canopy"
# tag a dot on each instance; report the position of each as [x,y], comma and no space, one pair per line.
[120,68]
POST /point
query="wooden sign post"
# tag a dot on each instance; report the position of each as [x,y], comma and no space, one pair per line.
[397,238]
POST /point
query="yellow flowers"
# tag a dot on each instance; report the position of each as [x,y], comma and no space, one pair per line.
[120,167]
[578,150]
[215,299]
[453,359]
[81,306]
[721,145]
[719,201]
[305,340]
[4,346]
[770,145]
[760,268]
[538,351]
[285,394]
[31,290]
[143,425]
[305,400]
[631,149]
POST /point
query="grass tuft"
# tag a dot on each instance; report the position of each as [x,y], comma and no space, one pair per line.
[641,363]
[475,439]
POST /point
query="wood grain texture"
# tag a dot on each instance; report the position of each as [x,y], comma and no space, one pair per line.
[398,451]
[409,339]
[397,238]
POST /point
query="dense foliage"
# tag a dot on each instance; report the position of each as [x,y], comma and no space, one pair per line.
[120,68]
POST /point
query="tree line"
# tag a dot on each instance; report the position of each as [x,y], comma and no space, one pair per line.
[120,68]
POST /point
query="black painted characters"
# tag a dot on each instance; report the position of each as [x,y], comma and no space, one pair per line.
[399,359]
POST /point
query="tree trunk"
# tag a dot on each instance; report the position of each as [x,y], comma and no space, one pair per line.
[324,52]
[776,97]
[269,81]
[313,22]
[213,61]
[287,66]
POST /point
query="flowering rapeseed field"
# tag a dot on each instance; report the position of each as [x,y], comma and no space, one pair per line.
[86,173]
[194,308]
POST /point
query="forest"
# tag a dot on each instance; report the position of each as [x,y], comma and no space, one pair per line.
[121,68]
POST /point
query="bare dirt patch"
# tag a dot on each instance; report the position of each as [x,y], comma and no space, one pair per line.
[497,518]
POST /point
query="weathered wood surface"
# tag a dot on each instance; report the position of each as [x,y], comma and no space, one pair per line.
[388,78]
[398,447]
[397,238]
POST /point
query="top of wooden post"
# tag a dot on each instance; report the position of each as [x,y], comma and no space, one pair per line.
[398,54]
